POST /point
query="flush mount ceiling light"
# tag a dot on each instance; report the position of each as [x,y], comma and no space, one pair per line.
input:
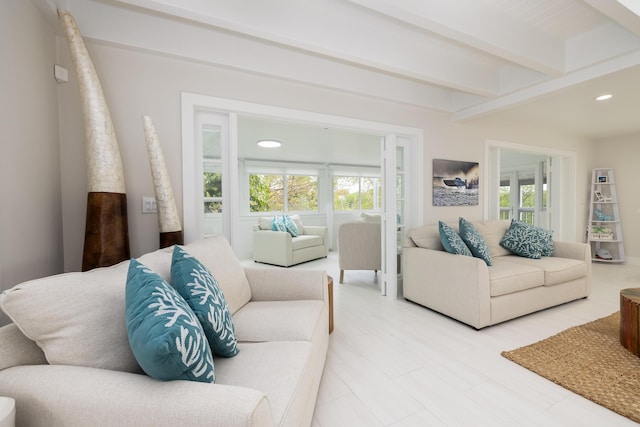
[269,143]
[604,97]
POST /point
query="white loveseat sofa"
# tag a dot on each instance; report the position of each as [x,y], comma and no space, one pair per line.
[468,290]
[66,359]
[280,248]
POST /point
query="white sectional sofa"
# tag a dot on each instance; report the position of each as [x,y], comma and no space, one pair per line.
[66,359]
[467,289]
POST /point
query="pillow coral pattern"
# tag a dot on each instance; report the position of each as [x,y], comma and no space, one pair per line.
[451,241]
[476,243]
[164,333]
[290,225]
[527,240]
[201,291]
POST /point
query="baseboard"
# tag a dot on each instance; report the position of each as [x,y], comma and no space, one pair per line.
[633,260]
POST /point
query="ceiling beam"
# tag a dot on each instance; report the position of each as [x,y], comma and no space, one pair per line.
[476,25]
[344,32]
[618,13]
[549,87]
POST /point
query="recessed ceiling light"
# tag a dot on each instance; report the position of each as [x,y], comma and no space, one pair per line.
[269,143]
[604,97]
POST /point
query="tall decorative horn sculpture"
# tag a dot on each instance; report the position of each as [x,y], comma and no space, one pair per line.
[168,220]
[106,240]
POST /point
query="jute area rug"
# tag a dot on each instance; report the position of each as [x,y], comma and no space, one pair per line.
[590,361]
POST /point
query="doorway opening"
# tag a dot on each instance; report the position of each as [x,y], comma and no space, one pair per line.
[238,221]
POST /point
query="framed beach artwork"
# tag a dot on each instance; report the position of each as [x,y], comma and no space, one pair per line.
[455,183]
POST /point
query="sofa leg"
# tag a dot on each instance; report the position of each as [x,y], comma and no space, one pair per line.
[341,275]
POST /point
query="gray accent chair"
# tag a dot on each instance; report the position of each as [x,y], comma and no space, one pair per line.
[359,246]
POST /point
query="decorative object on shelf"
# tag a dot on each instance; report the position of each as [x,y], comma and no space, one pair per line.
[600,198]
[601,215]
[604,229]
[168,219]
[106,239]
[455,183]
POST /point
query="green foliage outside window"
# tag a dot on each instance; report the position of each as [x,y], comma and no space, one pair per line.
[212,188]
[354,193]
[266,193]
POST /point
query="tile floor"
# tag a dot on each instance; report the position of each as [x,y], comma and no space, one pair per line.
[394,363]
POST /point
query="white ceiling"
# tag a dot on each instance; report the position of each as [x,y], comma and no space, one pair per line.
[539,61]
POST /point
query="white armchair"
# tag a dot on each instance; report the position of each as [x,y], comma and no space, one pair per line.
[359,246]
[280,248]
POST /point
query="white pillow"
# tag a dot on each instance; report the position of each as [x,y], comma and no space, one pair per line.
[370,217]
[216,254]
[75,318]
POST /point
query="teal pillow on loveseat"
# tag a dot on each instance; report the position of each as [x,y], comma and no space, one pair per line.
[165,335]
[195,283]
[474,241]
[451,241]
[528,240]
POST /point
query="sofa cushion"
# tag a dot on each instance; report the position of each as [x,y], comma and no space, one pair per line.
[75,318]
[164,333]
[281,370]
[506,276]
[195,283]
[261,321]
[265,223]
[428,237]
[556,270]
[492,232]
[376,218]
[474,241]
[451,241]
[216,254]
[306,241]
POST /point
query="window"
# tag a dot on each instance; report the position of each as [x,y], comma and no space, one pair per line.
[212,179]
[283,193]
[356,193]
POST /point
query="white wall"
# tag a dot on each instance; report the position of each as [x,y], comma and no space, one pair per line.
[623,154]
[30,211]
[138,83]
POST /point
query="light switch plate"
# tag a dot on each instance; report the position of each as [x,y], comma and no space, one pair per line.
[149,205]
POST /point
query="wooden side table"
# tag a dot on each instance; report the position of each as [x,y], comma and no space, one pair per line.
[630,320]
[330,284]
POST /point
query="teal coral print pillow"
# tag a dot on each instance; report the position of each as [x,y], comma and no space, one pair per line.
[195,283]
[290,225]
[528,240]
[278,224]
[451,241]
[164,333]
[474,241]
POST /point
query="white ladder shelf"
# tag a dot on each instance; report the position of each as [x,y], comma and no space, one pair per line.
[604,232]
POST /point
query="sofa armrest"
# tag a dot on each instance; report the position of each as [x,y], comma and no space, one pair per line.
[455,285]
[319,230]
[572,250]
[49,395]
[272,247]
[17,349]
[270,284]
